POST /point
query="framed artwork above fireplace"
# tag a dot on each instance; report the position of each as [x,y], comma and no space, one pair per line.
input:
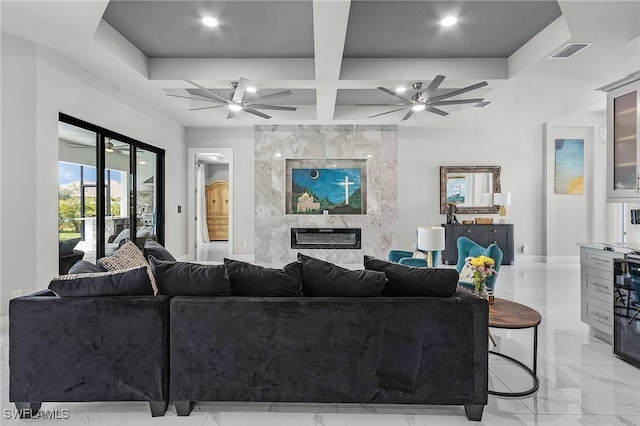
[326,186]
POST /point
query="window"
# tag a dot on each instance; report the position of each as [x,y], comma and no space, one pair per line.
[131,173]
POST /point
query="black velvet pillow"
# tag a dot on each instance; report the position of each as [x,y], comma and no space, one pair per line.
[190,279]
[85,267]
[405,280]
[155,249]
[320,278]
[66,247]
[253,280]
[124,282]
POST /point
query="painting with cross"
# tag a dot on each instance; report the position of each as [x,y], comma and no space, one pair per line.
[326,191]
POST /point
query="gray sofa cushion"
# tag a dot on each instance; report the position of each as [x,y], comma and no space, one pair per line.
[253,280]
[405,280]
[155,249]
[190,279]
[125,282]
[320,278]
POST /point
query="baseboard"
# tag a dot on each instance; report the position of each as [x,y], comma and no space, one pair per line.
[564,259]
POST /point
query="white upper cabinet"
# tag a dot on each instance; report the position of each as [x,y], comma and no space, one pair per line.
[623,118]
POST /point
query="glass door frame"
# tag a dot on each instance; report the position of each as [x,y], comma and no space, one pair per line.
[102,135]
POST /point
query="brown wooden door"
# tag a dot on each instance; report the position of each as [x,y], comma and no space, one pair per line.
[217,195]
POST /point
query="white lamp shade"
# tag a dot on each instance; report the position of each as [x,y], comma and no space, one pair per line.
[502,199]
[431,238]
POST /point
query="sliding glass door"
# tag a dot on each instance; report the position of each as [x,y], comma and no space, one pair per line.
[130,205]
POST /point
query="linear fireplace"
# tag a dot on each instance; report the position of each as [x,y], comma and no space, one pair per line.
[326,238]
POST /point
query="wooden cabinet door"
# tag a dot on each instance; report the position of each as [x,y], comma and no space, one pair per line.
[217,195]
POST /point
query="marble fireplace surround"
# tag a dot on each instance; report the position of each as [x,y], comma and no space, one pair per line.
[376,144]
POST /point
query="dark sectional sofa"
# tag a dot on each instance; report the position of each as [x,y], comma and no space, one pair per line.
[234,342]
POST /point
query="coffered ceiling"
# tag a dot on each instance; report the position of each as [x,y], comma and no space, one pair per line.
[333,54]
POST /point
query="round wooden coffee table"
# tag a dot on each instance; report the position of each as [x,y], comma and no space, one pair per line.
[511,315]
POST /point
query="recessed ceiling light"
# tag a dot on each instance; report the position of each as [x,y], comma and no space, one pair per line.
[210,21]
[251,89]
[418,107]
[142,162]
[277,154]
[401,89]
[449,21]
[235,107]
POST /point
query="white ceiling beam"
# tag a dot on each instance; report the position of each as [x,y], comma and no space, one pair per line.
[554,36]
[122,48]
[330,19]
[423,69]
[231,69]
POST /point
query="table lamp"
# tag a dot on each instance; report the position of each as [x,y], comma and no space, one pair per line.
[430,240]
[502,199]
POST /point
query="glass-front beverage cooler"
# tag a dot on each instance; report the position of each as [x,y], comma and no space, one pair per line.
[626,307]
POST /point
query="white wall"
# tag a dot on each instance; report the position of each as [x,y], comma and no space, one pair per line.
[519,152]
[575,218]
[241,140]
[38,85]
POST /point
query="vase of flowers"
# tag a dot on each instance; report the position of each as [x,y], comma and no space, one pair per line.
[482,268]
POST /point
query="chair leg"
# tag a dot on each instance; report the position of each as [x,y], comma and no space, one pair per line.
[474,412]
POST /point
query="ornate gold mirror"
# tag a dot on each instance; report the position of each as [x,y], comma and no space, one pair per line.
[471,187]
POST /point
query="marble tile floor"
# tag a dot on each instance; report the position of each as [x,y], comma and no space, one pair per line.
[581,381]
[212,251]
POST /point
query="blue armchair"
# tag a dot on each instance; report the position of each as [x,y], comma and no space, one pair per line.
[469,248]
[404,257]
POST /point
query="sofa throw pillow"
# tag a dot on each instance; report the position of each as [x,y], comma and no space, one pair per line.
[124,282]
[155,249]
[128,256]
[324,279]
[253,280]
[466,274]
[405,280]
[190,279]
[85,267]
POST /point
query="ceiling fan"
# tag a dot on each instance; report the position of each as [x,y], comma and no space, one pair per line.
[424,99]
[237,101]
[109,146]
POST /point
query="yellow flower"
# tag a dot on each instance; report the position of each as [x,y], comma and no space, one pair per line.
[481,261]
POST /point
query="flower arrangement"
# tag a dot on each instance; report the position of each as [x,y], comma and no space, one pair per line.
[482,268]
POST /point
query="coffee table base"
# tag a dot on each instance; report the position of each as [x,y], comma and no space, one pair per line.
[536,381]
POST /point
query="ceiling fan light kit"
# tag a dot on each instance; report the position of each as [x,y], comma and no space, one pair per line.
[237,101]
[424,100]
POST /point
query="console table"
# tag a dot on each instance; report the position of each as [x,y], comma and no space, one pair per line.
[500,234]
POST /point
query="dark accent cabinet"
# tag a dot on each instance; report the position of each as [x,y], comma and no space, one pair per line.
[500,234]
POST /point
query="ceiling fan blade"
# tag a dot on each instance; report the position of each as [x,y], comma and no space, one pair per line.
[389,112]
[207,107]
[231,114]
[436,111]
[461,101]
[192,98]
[409,114]
[392,93]
[459,91]
[213,95]
[431,88]
[276,107]
[387,105]
[238,94]
[256,112]
[272,96]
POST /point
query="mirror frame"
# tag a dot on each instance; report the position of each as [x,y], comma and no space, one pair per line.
[495,170]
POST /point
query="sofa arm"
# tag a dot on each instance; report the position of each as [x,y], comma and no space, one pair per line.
[88,349]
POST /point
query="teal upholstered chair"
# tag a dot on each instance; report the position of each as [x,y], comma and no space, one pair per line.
[404,257]
[469,248]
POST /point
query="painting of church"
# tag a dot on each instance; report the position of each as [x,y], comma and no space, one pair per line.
[326,191]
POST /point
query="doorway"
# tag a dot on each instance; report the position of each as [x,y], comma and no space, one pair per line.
[211,228]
